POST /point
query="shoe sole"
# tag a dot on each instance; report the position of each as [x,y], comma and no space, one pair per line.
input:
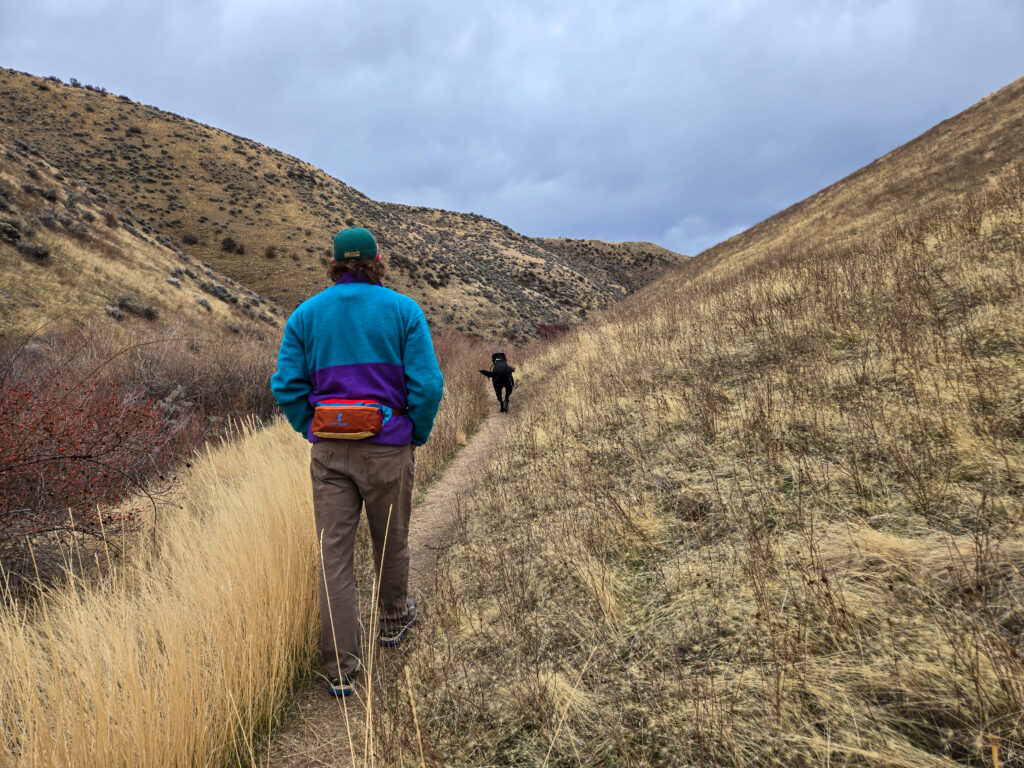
[391,642]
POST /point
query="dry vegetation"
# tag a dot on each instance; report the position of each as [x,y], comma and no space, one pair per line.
[91,414]
[768,512]
[944,163]
[184,651]
[265,219]
[107,672]
[68,256]
[769,519]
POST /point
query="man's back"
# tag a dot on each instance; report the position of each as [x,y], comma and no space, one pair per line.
[359,340]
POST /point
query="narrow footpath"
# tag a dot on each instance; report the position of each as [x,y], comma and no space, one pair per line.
[323,731]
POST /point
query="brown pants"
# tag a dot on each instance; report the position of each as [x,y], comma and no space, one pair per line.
[348,474]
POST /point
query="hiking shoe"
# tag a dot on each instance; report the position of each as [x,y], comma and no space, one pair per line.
[392,631]
[344,685]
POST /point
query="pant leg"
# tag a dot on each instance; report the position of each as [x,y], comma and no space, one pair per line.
[336,507]
[385,483]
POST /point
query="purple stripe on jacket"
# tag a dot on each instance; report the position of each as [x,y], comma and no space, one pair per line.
[382,382]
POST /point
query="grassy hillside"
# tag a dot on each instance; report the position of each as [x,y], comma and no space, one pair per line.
[769,511]
[945,166]
[770,515]
[769,521]
[66,255]
[266,219]
[625,264]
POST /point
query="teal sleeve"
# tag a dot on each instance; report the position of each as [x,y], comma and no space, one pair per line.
[423,380]
[291,384]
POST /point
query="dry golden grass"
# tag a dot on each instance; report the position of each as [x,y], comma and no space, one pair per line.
[179,655]
[770,515]
[773,520]
[184,652]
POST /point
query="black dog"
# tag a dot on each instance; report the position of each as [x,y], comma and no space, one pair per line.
[501,377]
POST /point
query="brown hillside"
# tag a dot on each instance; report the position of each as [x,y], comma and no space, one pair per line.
[630,265]
[265,218]
[941,167]
[67,256]
[771,516]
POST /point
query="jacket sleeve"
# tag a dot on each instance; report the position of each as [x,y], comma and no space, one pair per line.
[291,384]
[423,380]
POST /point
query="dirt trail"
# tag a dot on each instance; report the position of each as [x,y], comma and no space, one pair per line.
[318,727]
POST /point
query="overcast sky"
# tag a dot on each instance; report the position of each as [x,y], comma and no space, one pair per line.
[676,122]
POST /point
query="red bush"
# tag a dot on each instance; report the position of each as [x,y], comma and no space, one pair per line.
[66,447]
[551,330]
[90,417]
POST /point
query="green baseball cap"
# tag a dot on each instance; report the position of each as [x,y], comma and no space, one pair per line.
[355,243]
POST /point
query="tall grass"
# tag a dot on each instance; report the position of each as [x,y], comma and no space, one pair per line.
[177,655]
[761,517]
[182,653]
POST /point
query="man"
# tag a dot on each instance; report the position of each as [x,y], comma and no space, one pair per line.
[357,376]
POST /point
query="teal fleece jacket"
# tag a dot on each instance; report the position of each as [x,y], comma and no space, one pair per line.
[357,340]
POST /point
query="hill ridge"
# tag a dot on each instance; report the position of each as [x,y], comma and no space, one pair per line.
[62,233]
[265,218]
[939,167]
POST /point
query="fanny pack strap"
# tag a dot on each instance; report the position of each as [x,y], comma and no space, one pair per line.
[397,411]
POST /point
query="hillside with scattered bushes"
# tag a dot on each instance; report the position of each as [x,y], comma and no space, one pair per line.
[266,219]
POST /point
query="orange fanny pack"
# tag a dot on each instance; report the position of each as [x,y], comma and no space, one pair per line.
[351,419]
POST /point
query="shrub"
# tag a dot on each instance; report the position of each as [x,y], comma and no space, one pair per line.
[551,330]
[37,253]
[89,415]
[67,447]
[9,231]
[128,304]
[189,239]
[219,291]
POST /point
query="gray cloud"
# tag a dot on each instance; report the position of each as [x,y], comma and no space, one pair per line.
[677,122]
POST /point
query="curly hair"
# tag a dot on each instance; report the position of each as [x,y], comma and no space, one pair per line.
[369,269]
